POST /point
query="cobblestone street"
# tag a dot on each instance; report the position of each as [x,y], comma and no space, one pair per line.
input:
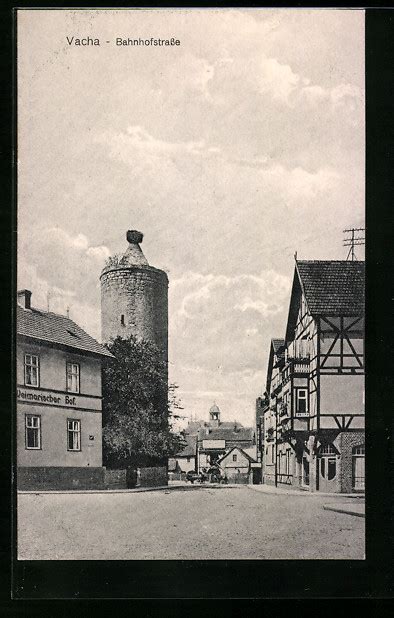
[186,523]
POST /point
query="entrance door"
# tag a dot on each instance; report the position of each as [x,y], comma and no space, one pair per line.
[327,469]
[256,476]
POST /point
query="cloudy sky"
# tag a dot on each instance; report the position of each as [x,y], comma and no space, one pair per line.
[230,152]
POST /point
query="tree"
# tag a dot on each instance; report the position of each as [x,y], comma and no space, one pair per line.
[138,406]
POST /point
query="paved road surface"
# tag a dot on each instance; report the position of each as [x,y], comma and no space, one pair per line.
[185,523]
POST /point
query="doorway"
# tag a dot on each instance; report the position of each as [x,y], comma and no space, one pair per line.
[358,476]
[327,468]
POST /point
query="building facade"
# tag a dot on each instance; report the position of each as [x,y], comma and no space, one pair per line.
[236,466]
[262,405]
[215,438]
[186,458]
[314,423]
[59,412]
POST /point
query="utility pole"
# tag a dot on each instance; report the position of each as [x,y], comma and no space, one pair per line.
[353,240]
[48,299]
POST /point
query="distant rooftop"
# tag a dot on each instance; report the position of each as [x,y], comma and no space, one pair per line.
[190,448]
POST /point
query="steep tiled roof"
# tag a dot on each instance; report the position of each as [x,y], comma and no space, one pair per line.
[193,427]
[234,448]
[57,329]
[190,447]
[226,433]
[277,344]
[333,287]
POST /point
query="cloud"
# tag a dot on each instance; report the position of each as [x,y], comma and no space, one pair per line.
[100,253]
[277,79]
[59,300]
[213,318]
[138,149]
[137,142]
[63,270]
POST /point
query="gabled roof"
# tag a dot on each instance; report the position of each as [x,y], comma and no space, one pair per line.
[190,448]
[277,344]
[235,448]
[56,329]
[330,287]
[193,427]
[277,347]
[227,433]
[333,287]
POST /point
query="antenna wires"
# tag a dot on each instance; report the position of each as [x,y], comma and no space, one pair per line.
[356,237]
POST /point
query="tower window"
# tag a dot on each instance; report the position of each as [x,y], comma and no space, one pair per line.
[122,320]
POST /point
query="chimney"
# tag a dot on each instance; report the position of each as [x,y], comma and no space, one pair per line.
[24,299]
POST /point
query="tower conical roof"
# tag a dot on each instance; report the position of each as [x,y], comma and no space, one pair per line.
[133,255]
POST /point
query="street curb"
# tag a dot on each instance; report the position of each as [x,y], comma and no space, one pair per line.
[346,511]
[279,491]
[122,491]
[97,491]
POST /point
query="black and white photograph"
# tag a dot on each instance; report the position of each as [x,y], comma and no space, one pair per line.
[190,284]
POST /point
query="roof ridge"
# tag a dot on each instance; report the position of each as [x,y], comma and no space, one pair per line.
[330,261]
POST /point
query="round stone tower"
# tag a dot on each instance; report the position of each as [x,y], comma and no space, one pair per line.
[134,297]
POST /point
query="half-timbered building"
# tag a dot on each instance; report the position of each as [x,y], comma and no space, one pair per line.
[314,425]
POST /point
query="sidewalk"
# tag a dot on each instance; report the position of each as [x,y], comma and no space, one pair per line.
[271,489]
[171,485]
[351,509]
[100,491]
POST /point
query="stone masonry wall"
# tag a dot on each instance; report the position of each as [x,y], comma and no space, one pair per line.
[141,296]
[347,441]
[47,478]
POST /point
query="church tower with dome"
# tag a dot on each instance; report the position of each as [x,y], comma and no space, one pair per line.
[214,416]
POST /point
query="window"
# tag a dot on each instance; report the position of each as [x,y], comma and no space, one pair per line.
[327,449]
[31,370]
[73,377]
[73,435]
[188,459]
[302,407]
[32,431]
[288,461]
[234,458]
[122,320]
[328,461]
[358,473]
